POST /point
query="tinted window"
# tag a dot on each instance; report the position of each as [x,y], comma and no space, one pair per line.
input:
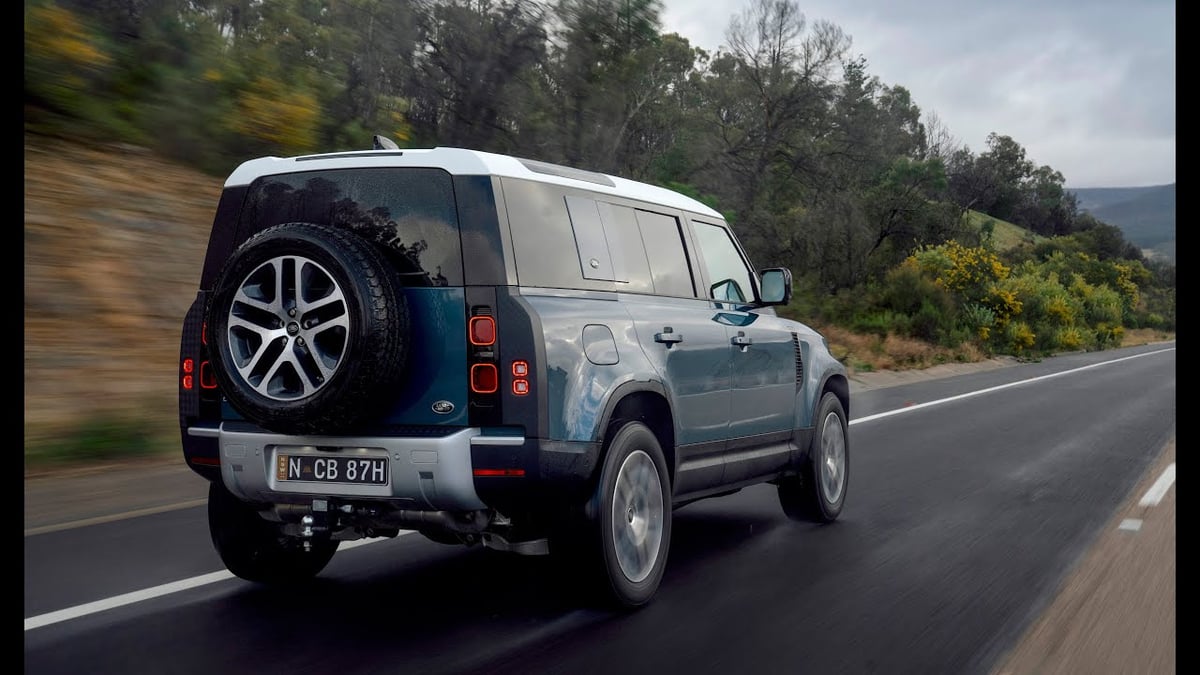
[630,267]
[668,261]
[543,239]
[409,212]
[723,263]
[589,238]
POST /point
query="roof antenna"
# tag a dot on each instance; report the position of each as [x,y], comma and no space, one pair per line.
[384,143]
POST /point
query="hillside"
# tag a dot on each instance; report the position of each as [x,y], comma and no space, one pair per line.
[114,241]
[1005,235]
[1146,215]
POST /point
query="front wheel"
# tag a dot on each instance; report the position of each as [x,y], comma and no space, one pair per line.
[254,549]
[818,493]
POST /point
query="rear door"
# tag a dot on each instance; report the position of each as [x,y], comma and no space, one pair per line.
[678,332]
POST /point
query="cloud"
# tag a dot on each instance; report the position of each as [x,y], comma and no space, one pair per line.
[1085,86]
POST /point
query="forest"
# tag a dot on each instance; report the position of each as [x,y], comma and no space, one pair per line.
[891,225]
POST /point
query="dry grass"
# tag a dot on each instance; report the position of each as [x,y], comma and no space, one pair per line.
[868,353]
[1143,336]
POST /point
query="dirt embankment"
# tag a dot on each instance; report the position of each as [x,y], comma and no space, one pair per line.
[114,242]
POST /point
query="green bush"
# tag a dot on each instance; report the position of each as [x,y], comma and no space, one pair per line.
[882,323]
[100,437]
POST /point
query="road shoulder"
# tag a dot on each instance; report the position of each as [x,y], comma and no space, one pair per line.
[1115,613]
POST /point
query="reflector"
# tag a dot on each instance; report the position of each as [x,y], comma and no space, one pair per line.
[499,472]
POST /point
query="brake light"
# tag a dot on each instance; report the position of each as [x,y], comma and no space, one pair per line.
[207,379]
[189,365]
[485,378]
[482,331]
[187,382]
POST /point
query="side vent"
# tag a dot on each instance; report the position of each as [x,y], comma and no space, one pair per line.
[799,362]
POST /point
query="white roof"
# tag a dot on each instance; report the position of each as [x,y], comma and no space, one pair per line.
[461,162]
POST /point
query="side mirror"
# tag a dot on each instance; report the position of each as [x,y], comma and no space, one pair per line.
[776,286]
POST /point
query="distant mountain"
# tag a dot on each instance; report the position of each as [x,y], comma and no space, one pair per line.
[1146,215]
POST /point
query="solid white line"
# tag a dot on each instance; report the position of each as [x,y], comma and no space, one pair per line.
[1130,524]
[898,411]
[1159,490]
[159,591]
[126,599]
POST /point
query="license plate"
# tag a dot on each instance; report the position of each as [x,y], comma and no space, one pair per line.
[316,469]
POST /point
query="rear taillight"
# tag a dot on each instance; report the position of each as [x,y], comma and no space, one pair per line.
[483,372]
[482,330]
[191,374]
[485,379]
[520,383]
[207,379]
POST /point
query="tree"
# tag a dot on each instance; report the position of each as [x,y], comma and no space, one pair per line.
[468,71]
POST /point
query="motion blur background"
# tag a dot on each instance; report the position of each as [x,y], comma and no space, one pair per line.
[909,247]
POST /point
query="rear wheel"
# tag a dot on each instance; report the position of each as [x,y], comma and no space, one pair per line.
[254,549]
[818,493]
[622,546]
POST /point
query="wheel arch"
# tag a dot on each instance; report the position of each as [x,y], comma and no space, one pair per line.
[839,386]
[646,402]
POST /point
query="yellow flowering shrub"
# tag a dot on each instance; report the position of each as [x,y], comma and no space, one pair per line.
[269,112]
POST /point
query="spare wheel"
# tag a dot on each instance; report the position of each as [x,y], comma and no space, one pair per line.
[307,329]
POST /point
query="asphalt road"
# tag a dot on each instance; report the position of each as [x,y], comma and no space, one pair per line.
[973,501]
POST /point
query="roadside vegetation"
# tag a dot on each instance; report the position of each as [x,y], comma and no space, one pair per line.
[908,247]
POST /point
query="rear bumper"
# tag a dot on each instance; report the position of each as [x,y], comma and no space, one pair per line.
[424,473]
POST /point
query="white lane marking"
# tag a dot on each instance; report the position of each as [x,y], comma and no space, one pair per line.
[1159,490]
[99,520]
[898,411]
[1130,525]
[159,591]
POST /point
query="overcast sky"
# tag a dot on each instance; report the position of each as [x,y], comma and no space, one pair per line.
[1085,86]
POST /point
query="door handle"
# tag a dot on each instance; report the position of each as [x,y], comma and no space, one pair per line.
[740,340]
[668,336]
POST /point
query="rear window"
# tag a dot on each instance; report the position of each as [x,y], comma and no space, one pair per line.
[409,212]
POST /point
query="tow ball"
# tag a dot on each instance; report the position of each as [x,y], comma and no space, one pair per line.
[317,521]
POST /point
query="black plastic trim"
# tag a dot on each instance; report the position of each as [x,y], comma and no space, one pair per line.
[222,239]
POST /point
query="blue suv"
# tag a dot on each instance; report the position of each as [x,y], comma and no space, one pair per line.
[490,351]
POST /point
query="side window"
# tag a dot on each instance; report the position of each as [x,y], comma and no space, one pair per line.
[544,236]
[589,238]
[727,272]
[663,241]
[631,269]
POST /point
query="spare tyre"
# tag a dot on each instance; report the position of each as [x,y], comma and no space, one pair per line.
[307,328]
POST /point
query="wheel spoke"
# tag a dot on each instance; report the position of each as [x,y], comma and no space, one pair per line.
[288,328]
[833,458]
[637,513]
